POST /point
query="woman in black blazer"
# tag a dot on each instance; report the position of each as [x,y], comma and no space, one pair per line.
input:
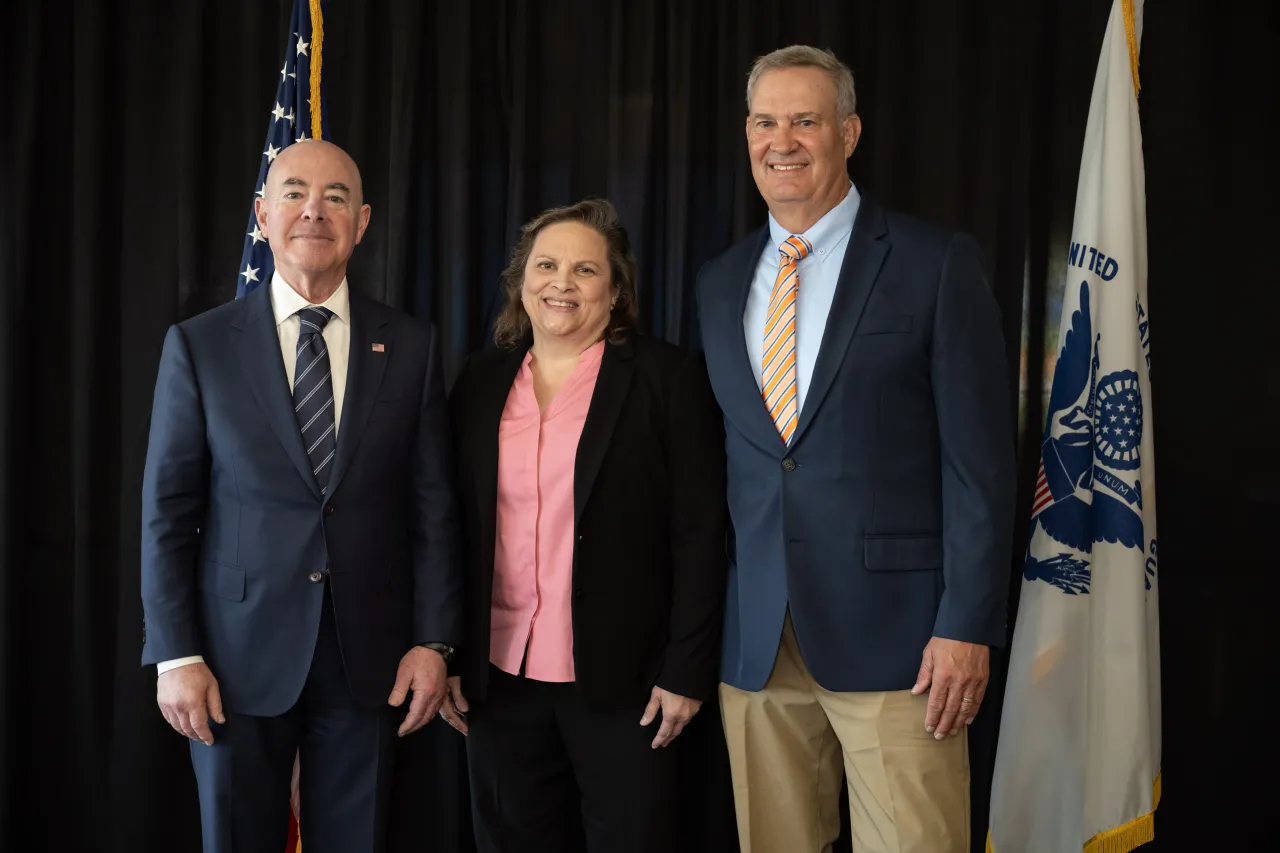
[591,474]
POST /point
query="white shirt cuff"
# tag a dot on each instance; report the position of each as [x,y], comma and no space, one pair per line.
[166,665]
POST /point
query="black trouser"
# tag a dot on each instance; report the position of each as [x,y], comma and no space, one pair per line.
[531,741]
[347,754]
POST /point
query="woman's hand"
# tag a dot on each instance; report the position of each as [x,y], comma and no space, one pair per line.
[455,705]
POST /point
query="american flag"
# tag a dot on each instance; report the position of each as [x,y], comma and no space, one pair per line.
[291,121]
[1043,496]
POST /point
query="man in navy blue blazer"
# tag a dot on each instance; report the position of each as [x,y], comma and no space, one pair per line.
[857,356]
[300,566]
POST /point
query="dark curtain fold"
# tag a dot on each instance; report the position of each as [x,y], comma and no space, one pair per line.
[131,134]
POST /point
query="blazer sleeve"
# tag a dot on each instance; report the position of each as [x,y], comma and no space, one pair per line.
[174,497]
[437,564]
[698,519]
[975,423]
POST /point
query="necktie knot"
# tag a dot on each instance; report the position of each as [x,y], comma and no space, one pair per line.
[794,249]
[314,318]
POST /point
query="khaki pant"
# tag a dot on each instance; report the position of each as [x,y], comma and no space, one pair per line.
[908,792]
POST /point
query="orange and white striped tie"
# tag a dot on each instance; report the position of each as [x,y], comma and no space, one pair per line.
[778,376]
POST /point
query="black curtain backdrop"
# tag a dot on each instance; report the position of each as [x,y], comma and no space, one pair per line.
[132,133]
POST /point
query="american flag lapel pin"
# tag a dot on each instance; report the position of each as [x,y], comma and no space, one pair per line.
[379,348]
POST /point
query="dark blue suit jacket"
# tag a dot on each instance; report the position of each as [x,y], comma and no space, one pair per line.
[234,525]
[888,519]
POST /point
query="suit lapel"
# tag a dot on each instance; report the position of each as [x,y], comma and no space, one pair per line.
[729,358]
[258,348]
[365,368]
[858,273]
[484,420]
[610,393]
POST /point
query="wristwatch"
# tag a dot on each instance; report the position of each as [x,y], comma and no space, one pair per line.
[446,651]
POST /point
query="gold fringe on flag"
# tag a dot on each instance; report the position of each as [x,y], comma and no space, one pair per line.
[1131,36]
[1136,832]
[317,45]
[1122,839]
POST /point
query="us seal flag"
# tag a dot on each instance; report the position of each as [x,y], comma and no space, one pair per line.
[1078,762]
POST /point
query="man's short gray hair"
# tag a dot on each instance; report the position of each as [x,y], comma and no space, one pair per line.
[803,56]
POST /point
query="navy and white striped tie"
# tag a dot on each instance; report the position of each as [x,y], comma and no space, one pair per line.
[313,393]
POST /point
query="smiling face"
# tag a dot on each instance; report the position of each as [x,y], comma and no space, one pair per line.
[799,144]
[568,287]
[311,211]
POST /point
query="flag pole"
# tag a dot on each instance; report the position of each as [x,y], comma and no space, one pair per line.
[1130,37]
[317,46]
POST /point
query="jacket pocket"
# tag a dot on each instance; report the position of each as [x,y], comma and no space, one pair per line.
[902,552]
[222,581]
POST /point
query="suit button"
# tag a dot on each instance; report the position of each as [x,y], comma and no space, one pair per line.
[788,464]
[328,509]
[315,577]
[577,592]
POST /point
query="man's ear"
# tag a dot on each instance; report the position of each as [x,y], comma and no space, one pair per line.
[852,132]
[365,212]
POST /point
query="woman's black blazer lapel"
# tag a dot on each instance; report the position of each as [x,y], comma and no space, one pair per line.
[612,386]
[495,374]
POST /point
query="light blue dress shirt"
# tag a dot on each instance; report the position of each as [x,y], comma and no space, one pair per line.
[819,272]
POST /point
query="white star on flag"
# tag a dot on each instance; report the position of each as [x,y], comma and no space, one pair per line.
[256,234]
[290,116]
[278,112]
[272,153]
[302,47]
[250,274]
[262,190]
[302,138]
[284,72]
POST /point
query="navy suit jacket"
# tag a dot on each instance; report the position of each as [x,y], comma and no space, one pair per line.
[234,526]
[888,519]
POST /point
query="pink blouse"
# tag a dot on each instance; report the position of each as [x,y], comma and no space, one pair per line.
[531,612]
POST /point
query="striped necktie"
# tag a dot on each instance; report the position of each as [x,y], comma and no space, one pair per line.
[778,376]
[313,393]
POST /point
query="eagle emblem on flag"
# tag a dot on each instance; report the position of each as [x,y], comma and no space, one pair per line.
[1086,490]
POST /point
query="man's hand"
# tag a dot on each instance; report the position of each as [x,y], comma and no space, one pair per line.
[188,696]
[677,711]
[423,671]
[455,705]
[959,673]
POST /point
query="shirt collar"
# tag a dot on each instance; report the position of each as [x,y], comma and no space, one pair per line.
[285,301]
[595,352]
[828,232]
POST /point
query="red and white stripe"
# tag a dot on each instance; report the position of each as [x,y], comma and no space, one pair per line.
[1043,497]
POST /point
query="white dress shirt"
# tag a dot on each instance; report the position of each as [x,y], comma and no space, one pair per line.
[285,304]
[819,272]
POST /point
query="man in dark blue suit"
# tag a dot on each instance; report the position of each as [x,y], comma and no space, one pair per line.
[300,570]
[858,359]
